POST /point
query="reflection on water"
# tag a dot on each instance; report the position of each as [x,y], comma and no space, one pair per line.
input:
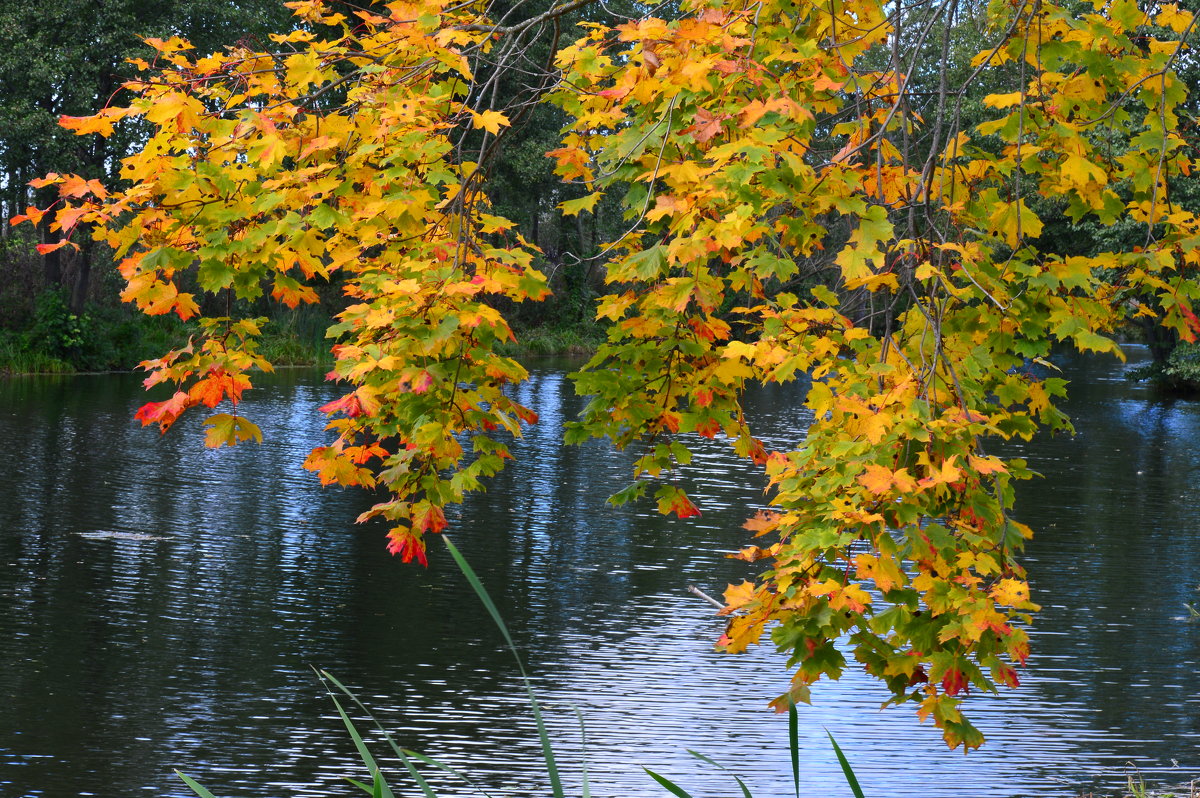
[162,606]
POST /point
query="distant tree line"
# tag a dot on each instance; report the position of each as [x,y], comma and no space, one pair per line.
[71,57]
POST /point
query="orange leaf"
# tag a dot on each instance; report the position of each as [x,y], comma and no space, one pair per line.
[763,522]
[68,217]
[164,413]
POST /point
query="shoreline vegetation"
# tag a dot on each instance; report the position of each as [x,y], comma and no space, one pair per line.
[109,339]
[115,339]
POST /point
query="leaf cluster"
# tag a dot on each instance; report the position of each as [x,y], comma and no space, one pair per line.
[803,195]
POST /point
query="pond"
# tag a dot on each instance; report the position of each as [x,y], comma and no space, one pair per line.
[163,606]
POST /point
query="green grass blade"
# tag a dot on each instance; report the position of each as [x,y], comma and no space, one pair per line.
[417,755]
[195,786]
[668,785]
[586,790]
[417,777]
[846,769]
[547,752]
[381,786]
[716,764]
[403,754]
[482,593]
[367,788]
[794,744]
[705,759]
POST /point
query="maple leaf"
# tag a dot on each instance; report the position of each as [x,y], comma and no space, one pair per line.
[31,214]
[1007,676]
[955,682]
[706,126]
[427,517]
[228,430]
[164,413]
[422,383]
[1013,592]
[673,500]
[68,217]
[877,479]
[491,121]
[585,203]
[409,546]
[739,596]
[762,522]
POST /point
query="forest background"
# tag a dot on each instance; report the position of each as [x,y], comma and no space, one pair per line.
[62,311]
[908,206]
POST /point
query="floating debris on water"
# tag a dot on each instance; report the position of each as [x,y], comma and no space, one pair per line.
[120,536]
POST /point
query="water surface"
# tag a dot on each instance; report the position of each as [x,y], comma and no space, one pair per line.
[162,606]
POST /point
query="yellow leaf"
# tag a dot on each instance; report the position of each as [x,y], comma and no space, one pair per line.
[1003,100]
[176,111]
[1171,17]
[1013,592]
[884,570]
[587,203]
[873,282]
[987,465]
[227,430]
[739,595]
[1078,172]
[491,121]
[1014,221]
[877,479]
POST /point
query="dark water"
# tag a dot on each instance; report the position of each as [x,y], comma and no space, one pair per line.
[162,606]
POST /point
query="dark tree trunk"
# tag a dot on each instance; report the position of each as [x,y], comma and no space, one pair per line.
[1159,339]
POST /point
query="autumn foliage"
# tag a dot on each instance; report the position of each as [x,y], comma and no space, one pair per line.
[796,211]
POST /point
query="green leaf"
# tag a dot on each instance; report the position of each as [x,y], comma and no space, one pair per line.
[794,744]
[194,785]
[669,785]
[215,274]
[847,771]
[227,430]
[476,585]
[586,203]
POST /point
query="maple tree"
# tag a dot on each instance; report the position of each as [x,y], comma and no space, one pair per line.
[806,198]
[67,57]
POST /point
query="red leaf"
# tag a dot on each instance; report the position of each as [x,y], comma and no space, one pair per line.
[164,413]
[954,682]
[1008,677]
[348,404]
[428,517]
[674,500]
[706,126]
[409,547]
[422,382]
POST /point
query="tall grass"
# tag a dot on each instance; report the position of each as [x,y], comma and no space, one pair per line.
[378,786]
[17,358]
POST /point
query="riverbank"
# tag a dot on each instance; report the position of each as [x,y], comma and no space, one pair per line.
[114,340]
[21,354]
